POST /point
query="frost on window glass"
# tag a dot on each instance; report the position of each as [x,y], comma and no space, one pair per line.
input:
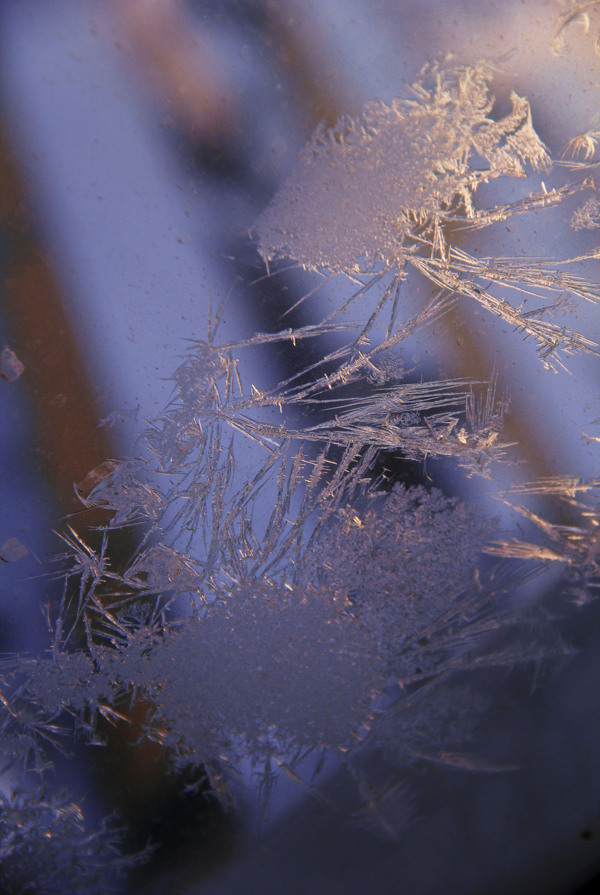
[283,598]
[576,14]
[45,835]
[402,176]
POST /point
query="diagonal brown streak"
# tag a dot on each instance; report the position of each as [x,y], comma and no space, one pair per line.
[68,441]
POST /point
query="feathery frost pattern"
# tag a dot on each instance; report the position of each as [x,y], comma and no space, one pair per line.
[281,598]
[404,176]
[45,835]
[398,172]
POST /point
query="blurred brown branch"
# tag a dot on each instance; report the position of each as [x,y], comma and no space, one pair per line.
[69,442]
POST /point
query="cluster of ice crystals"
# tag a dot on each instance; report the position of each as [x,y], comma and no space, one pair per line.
[385,190]
[393,170]
[275,598]
[587,217]
[381,561]
[43,837]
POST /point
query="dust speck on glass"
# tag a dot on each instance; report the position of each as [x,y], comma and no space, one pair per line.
[361,537]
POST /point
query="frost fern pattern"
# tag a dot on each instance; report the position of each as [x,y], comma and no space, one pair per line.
[405,175]
[306,604]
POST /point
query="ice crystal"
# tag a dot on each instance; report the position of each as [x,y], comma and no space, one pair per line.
[380,562]
[45,847]
[384,191]
[396,172]
[118,486]
[313,610]
[571,543]
[11,368]
[575,13]
[587,217]
[583,145]
[13,550]
[295,655]
[387,809]
[276,595]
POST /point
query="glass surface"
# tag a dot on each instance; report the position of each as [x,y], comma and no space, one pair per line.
[299,363]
